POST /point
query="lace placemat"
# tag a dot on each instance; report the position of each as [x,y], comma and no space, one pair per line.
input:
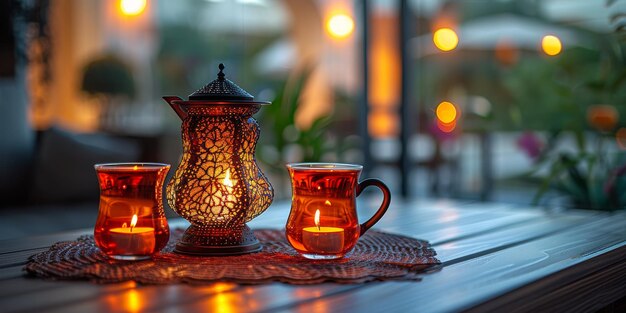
[377,256]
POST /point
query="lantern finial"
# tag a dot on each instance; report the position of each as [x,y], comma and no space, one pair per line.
[221,89]
[221,74]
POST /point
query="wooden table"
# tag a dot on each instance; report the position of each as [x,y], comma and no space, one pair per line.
[495,257]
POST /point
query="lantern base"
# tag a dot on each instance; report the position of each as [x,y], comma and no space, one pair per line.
[212,241]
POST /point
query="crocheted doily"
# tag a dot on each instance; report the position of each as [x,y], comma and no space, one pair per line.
[377,256]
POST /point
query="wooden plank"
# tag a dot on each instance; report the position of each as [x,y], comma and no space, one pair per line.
[22,285]
[144,299]
[203,304]
[58,294]
[262,298]
[398,219]
[38,242]
[222,297]
[194,297]
[43,294]
[467,284]
[10,272]
[421,215]
[265,294]
[18,257]
[502,239]
[609,272]
[477,225]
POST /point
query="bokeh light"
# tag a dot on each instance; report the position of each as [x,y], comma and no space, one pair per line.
[340,25]
[506,52]
[551,45]
[602,117]
[446,112]
[132,7]
[382,123]
[445,39]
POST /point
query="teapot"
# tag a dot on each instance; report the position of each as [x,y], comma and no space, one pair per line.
[218,186]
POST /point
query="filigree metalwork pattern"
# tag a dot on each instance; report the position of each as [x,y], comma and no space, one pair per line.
[218,182]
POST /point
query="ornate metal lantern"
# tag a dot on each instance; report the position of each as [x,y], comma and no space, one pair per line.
[218,186]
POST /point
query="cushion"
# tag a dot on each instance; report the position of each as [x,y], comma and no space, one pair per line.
[64,168]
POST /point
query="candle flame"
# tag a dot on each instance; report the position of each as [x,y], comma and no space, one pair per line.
[227,181]
[327,203]
[133,222]
[317,219]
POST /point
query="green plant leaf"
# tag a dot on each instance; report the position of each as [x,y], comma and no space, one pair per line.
[556,169]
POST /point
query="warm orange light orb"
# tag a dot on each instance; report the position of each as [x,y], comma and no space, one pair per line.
[445,39]
[602,117]
[132,7]
[551,45]
[340,25]
[446,112]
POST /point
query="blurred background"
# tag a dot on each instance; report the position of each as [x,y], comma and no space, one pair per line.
[493,100]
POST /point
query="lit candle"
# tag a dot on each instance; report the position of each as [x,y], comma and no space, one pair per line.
[133,240]
[322,239]
[227,181]
[230,185]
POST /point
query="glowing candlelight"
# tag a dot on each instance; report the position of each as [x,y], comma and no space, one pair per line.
[322,239]
[133,222]
[227,181]
[317,219]
[133,240]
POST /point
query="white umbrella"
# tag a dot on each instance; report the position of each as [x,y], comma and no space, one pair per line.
[249,17]
[277,58]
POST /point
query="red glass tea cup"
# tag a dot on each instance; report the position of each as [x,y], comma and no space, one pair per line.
[131,222]
[323,221]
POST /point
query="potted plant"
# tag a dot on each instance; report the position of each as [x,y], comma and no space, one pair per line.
[591,173]
[111,81]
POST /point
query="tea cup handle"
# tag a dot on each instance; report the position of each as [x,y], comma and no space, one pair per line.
[383,207]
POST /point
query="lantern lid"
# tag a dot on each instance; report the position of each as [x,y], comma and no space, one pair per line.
[221,89]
